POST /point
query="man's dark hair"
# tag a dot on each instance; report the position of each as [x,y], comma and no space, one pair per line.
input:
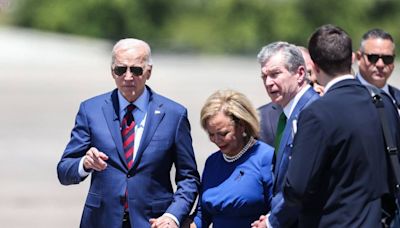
[375,33]
[331,50]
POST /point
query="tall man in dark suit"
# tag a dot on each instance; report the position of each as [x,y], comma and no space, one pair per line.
[375,59]
[285,79]
[128,139]
[338,170]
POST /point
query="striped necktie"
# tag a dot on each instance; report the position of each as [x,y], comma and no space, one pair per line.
[128,134]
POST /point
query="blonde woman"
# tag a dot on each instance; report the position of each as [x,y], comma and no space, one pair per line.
[237,179]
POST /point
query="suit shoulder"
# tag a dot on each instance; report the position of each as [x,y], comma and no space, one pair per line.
[394,89]
[168,103]
[265,106]
[270,107]
[97,98]
[395,92]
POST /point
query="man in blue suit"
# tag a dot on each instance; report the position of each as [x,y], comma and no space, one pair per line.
[338,171]
[269,113]
[284,75]
[130,169]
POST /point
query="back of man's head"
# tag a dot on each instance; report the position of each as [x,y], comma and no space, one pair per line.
[330,48]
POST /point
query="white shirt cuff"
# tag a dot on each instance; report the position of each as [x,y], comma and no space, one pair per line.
[267,221]
[169,215]
[81,170]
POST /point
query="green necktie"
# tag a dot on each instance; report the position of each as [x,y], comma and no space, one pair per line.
[279,131]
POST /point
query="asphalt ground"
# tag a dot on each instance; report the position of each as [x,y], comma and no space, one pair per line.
[43,79]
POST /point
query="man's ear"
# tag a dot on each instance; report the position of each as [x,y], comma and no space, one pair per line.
[317,70]
[301,74]
[357,55]
[112,73]
[149,72]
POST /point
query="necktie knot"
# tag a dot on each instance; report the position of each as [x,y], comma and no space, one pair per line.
[128,115]
[130,107]
[282,118]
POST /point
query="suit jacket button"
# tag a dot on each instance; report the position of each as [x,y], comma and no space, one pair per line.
[128,176]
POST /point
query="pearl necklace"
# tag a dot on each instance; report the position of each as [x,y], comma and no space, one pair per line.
[237,156]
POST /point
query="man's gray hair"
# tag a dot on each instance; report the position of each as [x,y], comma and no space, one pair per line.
[376,33]
[292,56]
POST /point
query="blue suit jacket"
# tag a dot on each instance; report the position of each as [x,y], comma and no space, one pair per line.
[338,170]
[279,215]
[166,140]
[269,116]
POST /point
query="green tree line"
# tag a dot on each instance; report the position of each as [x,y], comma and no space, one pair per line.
[207,26]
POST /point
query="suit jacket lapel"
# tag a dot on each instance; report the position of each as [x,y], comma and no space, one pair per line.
[288,134]
[111,114]
[155,114]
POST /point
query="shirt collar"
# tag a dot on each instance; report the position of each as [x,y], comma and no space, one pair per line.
[140,103]
[288,109]
[336,80]
[364,82]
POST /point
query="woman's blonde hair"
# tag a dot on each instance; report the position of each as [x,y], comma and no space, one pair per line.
[235,104]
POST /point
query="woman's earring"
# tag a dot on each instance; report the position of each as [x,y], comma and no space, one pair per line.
[244,134]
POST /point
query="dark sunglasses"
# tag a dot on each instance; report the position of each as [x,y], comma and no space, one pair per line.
[121,70]
[373,58]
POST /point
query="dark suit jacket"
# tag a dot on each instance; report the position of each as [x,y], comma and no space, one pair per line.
[338,171]
[394,92]
[269,116]
[165,141]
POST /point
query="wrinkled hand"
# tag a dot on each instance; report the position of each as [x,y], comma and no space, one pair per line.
[163,222]
[260,223]
[95,159]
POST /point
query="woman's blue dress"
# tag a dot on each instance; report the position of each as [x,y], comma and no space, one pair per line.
[235,194]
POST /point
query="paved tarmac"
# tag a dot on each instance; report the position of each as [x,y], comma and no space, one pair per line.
[44,77]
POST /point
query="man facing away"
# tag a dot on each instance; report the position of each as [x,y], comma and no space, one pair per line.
[284,76]
[127,140]
[338,171]
[375,59]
